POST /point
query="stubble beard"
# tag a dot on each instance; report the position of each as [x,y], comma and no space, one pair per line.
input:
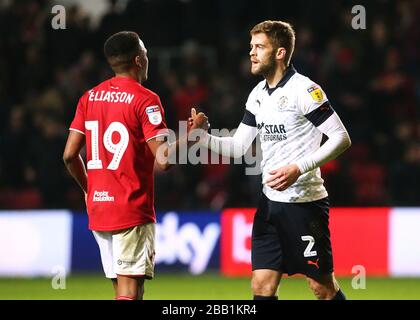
[266,69]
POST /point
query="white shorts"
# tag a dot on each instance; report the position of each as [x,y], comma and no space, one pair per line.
[128,252]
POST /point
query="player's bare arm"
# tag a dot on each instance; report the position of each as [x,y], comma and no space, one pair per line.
[73,160]
[163,151]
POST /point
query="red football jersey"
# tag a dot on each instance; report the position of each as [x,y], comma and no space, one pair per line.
[118,117]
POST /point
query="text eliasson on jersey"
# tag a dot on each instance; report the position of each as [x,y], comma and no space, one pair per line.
[111,96]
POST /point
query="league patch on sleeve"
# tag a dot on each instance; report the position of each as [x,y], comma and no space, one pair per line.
[316,93]
[153,112]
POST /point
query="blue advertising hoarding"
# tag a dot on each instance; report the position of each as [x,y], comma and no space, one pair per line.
[185,241]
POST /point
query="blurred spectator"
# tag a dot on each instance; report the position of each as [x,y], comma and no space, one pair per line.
[405,177]
[14,150]
[42,158]
[193,93]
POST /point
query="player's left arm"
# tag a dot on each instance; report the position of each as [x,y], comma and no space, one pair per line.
[329,123]
[338,141]
[72,159]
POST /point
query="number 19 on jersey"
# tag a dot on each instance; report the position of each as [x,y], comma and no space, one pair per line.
[117,149]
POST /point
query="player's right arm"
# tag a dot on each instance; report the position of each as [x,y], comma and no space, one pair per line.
[72,159]
[237,145]
[75,142]
[165,152]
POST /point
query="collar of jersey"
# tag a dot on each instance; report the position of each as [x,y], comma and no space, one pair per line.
[290,71]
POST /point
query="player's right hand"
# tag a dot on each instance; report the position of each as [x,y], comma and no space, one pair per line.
[198,121]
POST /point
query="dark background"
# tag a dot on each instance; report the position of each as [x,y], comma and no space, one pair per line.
[198,53]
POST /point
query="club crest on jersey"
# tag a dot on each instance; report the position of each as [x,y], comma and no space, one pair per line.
[316,93]
[282,102]
[153,112]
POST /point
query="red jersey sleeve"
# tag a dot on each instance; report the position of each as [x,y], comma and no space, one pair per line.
[78,123]
[152,117]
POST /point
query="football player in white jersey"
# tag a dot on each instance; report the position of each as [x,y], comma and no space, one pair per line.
[290,113]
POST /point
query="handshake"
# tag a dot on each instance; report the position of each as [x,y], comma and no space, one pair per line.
[198,121]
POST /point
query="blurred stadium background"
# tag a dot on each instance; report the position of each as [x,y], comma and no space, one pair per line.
[198,51]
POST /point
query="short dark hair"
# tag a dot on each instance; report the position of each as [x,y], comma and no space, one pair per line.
[121,48]
[280,33]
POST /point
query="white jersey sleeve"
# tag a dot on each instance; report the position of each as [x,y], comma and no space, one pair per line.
[315,106]
[338,141]
[311,97]
[235,146]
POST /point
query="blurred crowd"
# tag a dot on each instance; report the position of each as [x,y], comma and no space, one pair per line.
[198,53]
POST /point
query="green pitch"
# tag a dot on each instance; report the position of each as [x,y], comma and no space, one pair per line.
[210,286]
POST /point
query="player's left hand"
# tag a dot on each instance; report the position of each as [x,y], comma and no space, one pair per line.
[283,177]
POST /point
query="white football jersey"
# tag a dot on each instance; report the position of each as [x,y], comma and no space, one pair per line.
[287,117]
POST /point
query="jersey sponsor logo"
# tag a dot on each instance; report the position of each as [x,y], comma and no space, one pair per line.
[111,96]
[272,132]
[102,196]
[316,93]
[153,112]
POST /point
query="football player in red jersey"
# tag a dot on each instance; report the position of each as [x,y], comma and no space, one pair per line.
[123,126]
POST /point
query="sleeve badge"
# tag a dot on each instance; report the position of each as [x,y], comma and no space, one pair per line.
[155,117]
[316,93]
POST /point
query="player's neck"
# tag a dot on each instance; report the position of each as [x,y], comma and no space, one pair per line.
[274,78]
[128,74]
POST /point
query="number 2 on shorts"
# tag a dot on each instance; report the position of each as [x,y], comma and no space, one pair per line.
[308,252]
